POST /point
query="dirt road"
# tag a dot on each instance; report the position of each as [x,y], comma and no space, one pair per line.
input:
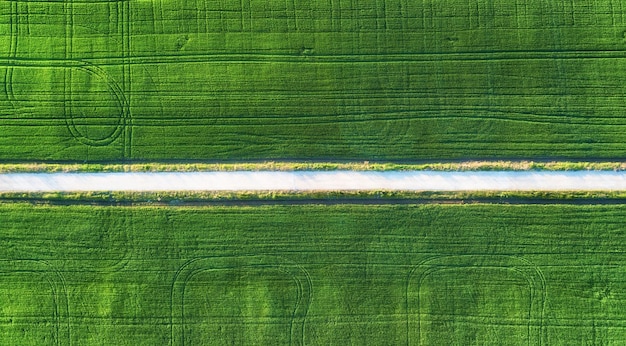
[317,181]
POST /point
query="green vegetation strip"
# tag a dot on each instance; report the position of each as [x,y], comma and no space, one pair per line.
[322,197]
[315,166]
[106,81]
[316,275]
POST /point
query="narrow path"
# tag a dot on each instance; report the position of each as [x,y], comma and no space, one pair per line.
[317,181]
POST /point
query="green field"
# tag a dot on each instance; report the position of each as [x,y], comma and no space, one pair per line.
[325,80]
[315,275]
[297,85]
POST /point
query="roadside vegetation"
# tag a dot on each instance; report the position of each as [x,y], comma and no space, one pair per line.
[315,166]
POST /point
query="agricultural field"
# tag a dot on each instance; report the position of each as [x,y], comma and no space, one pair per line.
[159,80]
[313,274]
[196,85]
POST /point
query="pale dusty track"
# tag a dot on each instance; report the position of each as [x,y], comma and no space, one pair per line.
[317,181]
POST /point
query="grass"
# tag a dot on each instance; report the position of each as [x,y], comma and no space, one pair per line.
[200,198]
[431,274]
[156,81]
[312,166]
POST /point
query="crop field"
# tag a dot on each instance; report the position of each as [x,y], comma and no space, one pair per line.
[192,85]
[354,79]
[315,275]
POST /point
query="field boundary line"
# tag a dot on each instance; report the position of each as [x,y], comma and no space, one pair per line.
[13,49]
[338,58]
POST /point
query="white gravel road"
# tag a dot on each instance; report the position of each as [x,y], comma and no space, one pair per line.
[316,181]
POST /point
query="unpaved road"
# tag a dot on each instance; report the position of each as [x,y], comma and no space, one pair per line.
[317,181]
